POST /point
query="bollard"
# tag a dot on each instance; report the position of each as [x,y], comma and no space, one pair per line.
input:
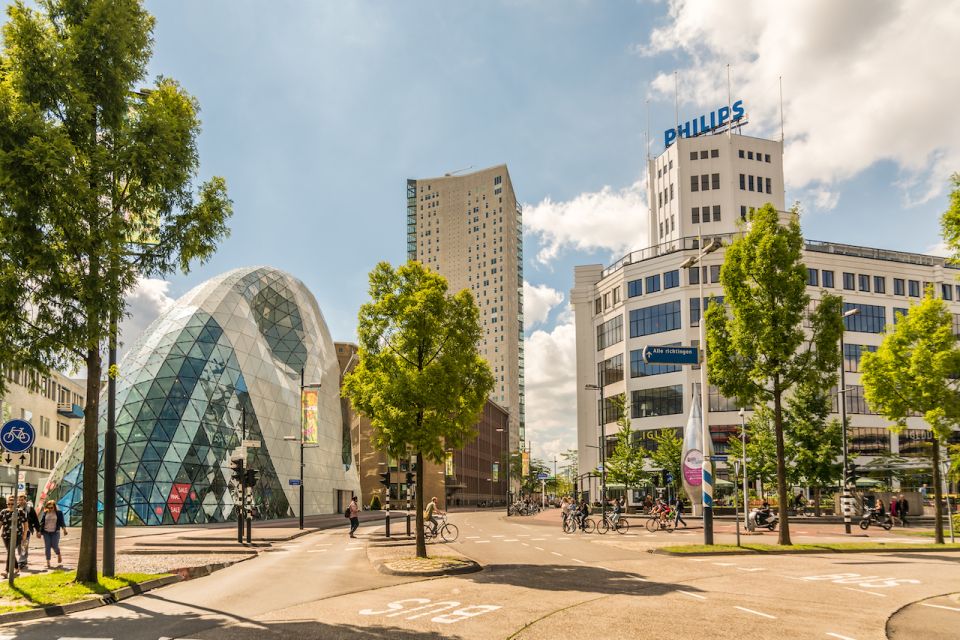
[408,524]
[387,527]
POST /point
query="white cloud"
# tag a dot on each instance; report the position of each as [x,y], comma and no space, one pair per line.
[614,219]
[862,82]
[551,382]
[939,249]
[148,300]
[538,301]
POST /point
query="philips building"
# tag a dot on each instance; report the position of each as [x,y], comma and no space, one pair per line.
[233,347]
[703,186]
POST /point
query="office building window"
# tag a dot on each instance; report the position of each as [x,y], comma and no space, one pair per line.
[864,282]
[616,296]
[659,401]
[671,279]
[716,213]
[719,402]
[898,289]
[813,278]
[640,369]
[693,155]
[635,288]
[871,319]
[695,215]
[653,283]
[743,212]
[848,281]
[740,153]
[695,308]
[63,432]
[610,370]
[749,155]
[705,182]
[879,284]
[657,318]
[606,300]
[610,410]
[914,288]
[897,312]
[743,181]
[749,183]
[915,443]
[694,183]
[769,190]
[946,291]
[766,157]
[706,214]
[869,441]
[609,332]
[598,305]
[703,154]
[852,353]
[693,275]
[714,153]
[715,180]
[714,273]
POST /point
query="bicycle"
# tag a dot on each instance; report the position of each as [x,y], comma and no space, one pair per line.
[448,532]
[618,524]
[573,523]
[19,434]
[658,521]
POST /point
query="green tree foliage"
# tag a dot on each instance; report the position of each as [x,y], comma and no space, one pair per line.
[88,166]
[950,220]
[668,454]
[757,351]
[814,442]
[625,464]
[915,371]
[570,459]
[762,448]
[419,378]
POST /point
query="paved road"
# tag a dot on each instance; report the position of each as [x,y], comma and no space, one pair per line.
[539,583]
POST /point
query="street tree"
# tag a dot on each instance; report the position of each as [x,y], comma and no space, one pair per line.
[91,163]
[815,443]
[762,448]
[626,464]
[419,378]
[915,371]
[950,220]
[668,454]
[757,348]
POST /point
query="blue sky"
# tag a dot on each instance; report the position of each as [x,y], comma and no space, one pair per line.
[317,112]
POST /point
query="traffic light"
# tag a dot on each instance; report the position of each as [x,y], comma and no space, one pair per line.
[251,477]
[664,481]
[851,479]
[236,468]
[385,478]
[409,478]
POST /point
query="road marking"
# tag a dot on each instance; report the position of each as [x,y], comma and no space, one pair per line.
[483,542]
[537,539]
[692,595]
[939,606]
[724,564]
[523,535]
[539,548]
[756,613]
[557,554]
[750,569]
[497,536]
[838,636]
[308,551]
[578,560]
[510,540]
[525,544]
[691,559]
[472,537]
[882,595]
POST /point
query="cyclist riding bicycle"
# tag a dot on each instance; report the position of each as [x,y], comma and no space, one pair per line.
[430,515]
[582,512]
[617,510]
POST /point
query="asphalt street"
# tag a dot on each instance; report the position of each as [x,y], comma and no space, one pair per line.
[539,583]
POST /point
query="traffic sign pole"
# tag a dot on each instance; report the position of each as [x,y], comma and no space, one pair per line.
[17,436]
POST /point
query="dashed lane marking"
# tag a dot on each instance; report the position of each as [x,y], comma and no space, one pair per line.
[482,542]
[939,606]
[523,535]
[496,536]
[724,564]
[756,613]
[578,560]
[692,595]
[472,537]
[510,540]
[308,551]
[537,539]
[751,569]
[838,636]
[873,593]
[525,544]
[557,554]
[539,548]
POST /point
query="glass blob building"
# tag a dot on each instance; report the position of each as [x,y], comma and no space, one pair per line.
[222,365]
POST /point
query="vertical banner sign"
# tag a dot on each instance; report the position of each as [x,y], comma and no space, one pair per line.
[310,400]
[448,466]
[525,457]
[496,472]
[691,458]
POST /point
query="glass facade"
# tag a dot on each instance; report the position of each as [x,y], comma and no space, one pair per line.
[232,348]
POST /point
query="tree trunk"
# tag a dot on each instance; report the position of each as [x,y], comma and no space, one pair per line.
[781,465]
[816,496]
[937,494]
[421,543]
[87,562]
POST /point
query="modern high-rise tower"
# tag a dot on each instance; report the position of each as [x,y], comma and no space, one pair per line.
[469,229]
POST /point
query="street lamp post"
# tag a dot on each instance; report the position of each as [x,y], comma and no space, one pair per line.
[603,449]
[706,466]
[743,452]
[845,497]
[303,386]
[501,431]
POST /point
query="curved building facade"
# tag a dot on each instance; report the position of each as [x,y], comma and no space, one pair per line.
[220,366]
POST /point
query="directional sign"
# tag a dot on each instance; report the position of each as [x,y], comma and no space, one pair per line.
[653,354]
[600,468]
[669,477]
[294,482]
[718,458]
[542,476]
[250,444]
[17,436]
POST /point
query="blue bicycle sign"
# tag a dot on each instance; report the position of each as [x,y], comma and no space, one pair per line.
[17,436]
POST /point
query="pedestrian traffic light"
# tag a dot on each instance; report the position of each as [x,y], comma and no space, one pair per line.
[409,479]
[236,469]
[664,481]
[385,478]
[251,477]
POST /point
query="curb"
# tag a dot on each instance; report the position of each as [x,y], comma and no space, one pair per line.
[470,566]
[113,597]
[189,552]
[796,552]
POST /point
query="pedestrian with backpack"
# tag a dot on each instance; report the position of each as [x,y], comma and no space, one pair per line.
[353,513]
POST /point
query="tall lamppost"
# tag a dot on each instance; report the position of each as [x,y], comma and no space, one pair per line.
[603,448]
[843,423]
[706,466]
[743,452]
[303,386]
[502,431]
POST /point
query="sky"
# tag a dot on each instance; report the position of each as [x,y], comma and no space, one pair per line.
[316,113]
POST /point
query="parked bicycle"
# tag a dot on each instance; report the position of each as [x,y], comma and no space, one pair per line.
[445,531]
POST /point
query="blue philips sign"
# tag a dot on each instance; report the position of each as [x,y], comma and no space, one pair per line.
[705,123]
[17,436]
[670,355]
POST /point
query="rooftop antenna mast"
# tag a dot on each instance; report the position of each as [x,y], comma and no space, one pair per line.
[646,137]
[781,114]
[676,98]
[729,103]
[453,173]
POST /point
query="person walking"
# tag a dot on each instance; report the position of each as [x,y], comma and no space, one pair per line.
[51,526]
[903,508]
[678,505]
[354,516]
[33,527]
[894,514]
[9,536]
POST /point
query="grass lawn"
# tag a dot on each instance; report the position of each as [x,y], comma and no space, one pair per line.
[827,546]
[58,587]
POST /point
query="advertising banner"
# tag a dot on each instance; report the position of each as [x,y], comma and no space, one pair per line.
[448,466]
[310,420]
[525,457]
[496,472]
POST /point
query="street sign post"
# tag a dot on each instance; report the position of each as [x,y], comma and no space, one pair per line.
[716,458]
[16,436]
[294,482]
[653,354]
[542,476]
